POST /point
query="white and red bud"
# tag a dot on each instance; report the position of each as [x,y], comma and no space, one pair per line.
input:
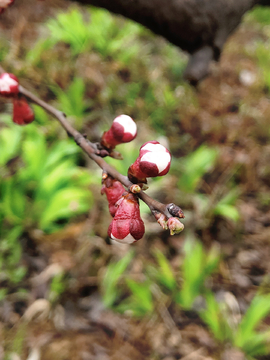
[9,84]
[127,225]
[114,191]
[175,226]
[4,4]
[22,112]
[123,130]
[154,160]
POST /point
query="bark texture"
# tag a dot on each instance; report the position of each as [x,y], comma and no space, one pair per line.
[199,27]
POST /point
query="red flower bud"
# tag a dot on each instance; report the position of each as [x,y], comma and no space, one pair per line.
[22,112]
[9,84]
[154,160]
[127,225]
[113,190]
[123,130]
[4,4]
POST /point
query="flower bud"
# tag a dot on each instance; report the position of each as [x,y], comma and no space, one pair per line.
[123,130]
[4,4]
[127,225]
[175,225]
[9,84]
[154,160]
[113,190]
[22,112]
[162,220]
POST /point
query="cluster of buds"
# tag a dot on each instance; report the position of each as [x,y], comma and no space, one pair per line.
[9,87]
[153,160]
[4,4]
[173,223]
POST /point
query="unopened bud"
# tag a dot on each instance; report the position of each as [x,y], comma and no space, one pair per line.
[127,225]
[154,160]
[123,130]
[175,226]
[135,188]
[22,112]
[9,84]
[175,211]
[113,190]
[162,220]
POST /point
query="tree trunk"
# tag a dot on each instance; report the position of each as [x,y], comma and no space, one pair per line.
[199,27]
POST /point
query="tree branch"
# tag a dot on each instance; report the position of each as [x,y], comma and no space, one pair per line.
[91,150]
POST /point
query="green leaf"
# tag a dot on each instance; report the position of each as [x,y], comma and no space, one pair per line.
[197,266]
[9,144]
[195,166]
[59,177]
[65,203]
[165,273]
[257,344]
[142,295]
[34,153]
[228,211]
[60,151]
[14,201]
[258,310]
[214,318]
[111,278]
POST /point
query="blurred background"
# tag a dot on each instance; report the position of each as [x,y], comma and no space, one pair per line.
[65,292]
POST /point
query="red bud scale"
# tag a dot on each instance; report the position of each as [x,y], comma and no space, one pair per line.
[113,190]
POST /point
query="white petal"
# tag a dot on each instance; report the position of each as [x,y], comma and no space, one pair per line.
[154,147]
[129,239]
[128,124]
[6,82]
[161,159]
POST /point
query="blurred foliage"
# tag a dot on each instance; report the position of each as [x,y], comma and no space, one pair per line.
[72,100]
[260,14]
[42,184]
[242,334]
[196,268]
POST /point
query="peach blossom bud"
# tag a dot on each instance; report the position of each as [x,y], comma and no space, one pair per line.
[127,225]
[113,190]
[154,160]
[22,112]
[123,130]
[9,85]
[175,225]
[4,4]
